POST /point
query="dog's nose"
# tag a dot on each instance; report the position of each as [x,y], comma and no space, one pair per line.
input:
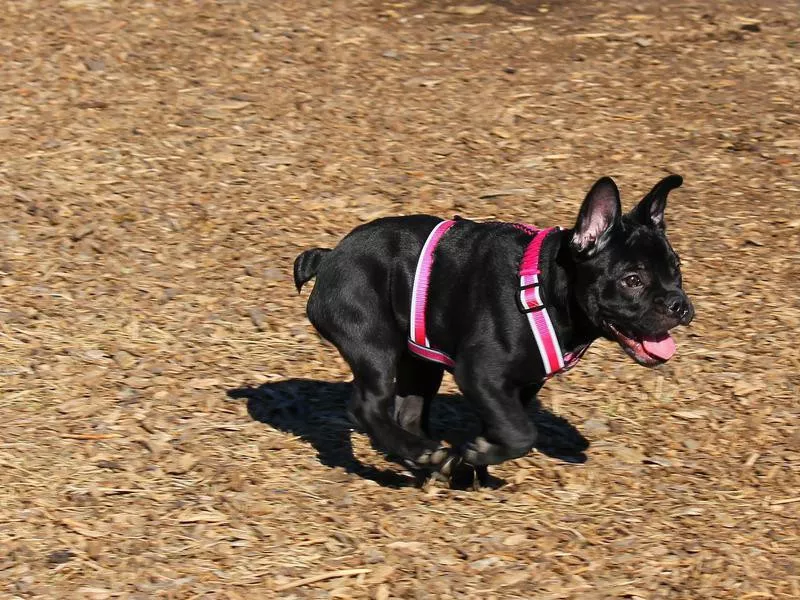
[674,305]
[687,312]
[677,305]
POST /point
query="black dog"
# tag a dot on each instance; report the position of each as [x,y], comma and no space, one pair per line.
[612,275]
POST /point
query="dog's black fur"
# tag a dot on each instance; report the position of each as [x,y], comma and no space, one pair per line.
[612,276]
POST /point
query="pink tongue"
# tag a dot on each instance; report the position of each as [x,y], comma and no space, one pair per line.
[662,348]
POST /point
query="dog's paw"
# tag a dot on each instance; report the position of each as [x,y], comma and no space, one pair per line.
[442,460]
[463,477]
[443,465]
[474,452]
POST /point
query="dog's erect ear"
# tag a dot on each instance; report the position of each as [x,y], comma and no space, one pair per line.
[600,211]
[650,211]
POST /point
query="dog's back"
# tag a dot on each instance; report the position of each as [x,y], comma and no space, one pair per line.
[371,268]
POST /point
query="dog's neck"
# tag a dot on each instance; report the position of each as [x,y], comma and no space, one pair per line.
[572,325]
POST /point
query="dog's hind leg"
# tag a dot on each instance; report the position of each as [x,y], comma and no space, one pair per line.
[372,406]
[417,383]
[348,308]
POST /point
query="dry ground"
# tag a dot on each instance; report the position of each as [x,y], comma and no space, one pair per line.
[161,164]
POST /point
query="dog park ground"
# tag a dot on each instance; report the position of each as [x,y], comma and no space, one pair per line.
[170,425]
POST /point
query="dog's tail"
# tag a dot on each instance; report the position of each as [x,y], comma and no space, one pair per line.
[307,264]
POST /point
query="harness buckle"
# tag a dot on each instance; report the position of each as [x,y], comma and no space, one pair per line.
[527,309]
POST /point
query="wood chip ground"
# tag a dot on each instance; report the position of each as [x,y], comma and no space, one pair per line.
[161,164]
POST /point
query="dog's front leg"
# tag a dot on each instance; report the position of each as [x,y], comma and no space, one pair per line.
[507,431]
[528,395]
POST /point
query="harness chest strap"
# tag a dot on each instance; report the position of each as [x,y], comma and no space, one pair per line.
[530,302]
[553,358]
[418,340]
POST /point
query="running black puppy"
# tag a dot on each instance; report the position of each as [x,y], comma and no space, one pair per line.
[501,306]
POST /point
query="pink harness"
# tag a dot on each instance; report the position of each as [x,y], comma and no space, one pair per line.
[553,359]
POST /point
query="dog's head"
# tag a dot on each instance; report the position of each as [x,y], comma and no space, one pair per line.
[628,277]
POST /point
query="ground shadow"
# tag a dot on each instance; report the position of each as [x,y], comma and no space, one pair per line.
[316,412]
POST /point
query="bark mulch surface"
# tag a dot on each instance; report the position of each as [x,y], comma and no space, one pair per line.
[161,164]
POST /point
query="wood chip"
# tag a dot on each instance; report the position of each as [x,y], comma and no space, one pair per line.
[320,577]
[162,164]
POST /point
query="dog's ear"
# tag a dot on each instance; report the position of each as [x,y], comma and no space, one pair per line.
[599,212]
[650,211]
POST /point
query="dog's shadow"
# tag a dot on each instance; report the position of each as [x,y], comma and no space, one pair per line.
[316,412]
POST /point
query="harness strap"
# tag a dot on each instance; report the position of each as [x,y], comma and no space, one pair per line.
[418,342]
[529,298]
[534,309]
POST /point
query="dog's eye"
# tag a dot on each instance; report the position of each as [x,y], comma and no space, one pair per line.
[632,281]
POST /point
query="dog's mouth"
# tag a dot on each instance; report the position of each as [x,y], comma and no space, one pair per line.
[646,350]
